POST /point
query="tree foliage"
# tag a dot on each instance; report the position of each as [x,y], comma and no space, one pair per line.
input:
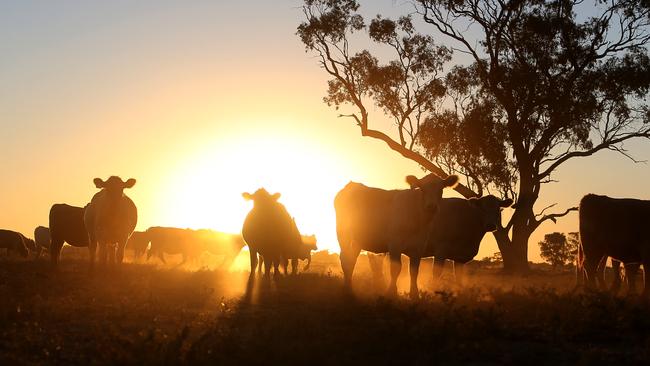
[546,82]
[557,250]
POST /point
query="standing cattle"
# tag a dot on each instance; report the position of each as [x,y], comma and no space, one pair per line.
[42,239]
[304,253]
[269,230]
[66,225]
[387,221]
[616,228]
[458,228]
[171,240]
[14,242]
[223,244]
[110,218]
[138,242]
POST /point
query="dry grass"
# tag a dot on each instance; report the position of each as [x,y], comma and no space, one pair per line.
[144,314]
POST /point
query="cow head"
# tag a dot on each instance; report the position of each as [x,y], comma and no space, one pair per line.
[490,208]
[30,244]
[261,197]
[20,247]
[431,187]
[114,186]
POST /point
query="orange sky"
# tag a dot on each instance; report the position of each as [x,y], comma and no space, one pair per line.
[200,102]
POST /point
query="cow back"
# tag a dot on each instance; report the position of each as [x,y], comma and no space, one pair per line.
[456,231]
[364,214]
[615,227]
[67,225]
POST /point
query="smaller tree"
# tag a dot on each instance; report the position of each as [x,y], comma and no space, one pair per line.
[573,240]
[557,250]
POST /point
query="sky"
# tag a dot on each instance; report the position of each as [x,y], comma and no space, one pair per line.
[201,101]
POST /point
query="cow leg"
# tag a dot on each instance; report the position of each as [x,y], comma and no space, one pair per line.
[253,257]
[103,252]
[55,251]
[591,268]
[616,270]
[268,263]
[438,266]
[395,269]
[92,251]
[459,273]
[348,259]
[414,270]
[285,265]
[120,250]
[110,249]
[646,285]
[261,264]
[276,267]
[161,255]
[631,274]
[294,266]
[600,273]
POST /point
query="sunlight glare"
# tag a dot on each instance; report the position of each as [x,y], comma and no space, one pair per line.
[206,191]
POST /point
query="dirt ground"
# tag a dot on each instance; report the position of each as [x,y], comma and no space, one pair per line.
[146,313]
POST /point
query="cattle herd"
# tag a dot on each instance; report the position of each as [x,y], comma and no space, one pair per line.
[416,222]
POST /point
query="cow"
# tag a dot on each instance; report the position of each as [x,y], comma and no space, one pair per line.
[42,240]
[138,242]
[110,218]
[66,226]
[270,231]
[223,244]
[171,240]
[458,228]
[614,227]
[14,242]
[304,253]
[387,221]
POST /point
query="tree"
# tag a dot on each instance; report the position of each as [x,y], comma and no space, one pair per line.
[573,241]
[556,249]
[543,86]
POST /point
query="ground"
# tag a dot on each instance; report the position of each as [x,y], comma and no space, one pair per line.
[153,314]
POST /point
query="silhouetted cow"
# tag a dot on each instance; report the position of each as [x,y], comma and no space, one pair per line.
[616,228]
[138,242]
[223,244]
[110,218]
[270,231]
[14,242]
[66,226]
[387,221]
[42,239]
[304,253]
[458,228]
[171,240]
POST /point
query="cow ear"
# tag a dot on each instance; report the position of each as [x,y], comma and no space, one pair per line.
[275,196]
[506,202]
[412,181]
[247,196]
[451,181]
[129,183]
[99,183]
